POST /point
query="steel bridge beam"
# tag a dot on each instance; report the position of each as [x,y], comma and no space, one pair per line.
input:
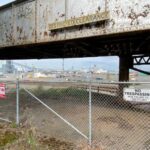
[141,60]
[127,62]
[142,71]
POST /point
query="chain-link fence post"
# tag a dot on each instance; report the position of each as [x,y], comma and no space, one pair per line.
[90,115]
[17,102]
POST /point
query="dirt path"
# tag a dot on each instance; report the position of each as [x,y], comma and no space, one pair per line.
[113,128]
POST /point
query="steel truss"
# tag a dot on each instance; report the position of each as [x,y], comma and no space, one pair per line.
[141,60]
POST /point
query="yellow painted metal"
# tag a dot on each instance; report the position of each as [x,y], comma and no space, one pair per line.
[97,17]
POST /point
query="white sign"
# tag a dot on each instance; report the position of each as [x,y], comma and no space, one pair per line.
[136,95]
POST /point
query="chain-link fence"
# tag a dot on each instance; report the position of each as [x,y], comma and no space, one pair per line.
[120,116]
[110,116]
[59,110]
[8,92]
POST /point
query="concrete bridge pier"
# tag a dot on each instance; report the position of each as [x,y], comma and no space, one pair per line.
[124,66]
[127,62]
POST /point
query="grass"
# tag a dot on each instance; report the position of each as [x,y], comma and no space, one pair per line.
[31,140]
[13,125]
[60,92]
[26,138]
[7,137]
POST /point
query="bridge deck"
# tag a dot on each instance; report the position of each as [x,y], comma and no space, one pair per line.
[69,28]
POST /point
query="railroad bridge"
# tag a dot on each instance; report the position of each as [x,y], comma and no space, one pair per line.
[77,28]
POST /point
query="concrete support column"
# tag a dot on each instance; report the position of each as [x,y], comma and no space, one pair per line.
[124,66]
[125,63]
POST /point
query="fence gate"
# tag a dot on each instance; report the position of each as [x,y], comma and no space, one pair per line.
[60,110]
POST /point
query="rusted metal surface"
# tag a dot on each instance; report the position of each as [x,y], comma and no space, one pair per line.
[6,27]
[24,23]
[84,20]
[28,21]
[49,12]
[125,16]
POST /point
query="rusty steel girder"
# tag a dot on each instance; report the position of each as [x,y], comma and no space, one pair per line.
[34,21]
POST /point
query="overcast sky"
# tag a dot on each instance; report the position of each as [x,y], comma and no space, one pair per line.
[105,63]
[2,2]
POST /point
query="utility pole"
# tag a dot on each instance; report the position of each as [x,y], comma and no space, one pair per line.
[63,68]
